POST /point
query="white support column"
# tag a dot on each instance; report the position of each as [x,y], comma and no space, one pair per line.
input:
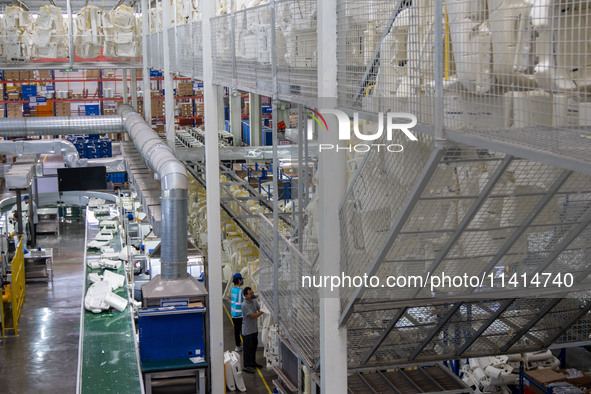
[256,123]
[125,92]
[133,88]
[145,55]
[212,176]
[168,78]
[236,118]
[332,188]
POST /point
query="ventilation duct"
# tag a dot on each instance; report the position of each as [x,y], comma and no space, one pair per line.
[60,125]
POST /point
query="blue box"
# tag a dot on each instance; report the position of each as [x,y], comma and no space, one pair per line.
[267,136]
[246,131]
[92,109]
[267,109]
[165,335]
[28,91]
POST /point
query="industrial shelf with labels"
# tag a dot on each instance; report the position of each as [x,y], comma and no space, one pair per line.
[44,93]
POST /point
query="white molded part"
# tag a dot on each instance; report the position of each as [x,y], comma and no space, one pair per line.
[95,297]
[94,277]
[111,264]
[116,301]
[93,263]
[237,371]
[229,372]
[115,280]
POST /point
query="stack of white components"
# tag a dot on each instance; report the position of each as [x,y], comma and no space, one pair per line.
[89,33]
[493,374]
[100,296]
[121,33]
[15,34]
[50,37]
[233,367]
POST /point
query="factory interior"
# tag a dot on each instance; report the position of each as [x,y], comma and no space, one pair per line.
[295,196]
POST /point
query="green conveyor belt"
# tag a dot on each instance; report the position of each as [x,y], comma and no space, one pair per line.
[108,356]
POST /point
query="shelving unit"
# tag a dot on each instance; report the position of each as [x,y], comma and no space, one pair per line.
[93,90]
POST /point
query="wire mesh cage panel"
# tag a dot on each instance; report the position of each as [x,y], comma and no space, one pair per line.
[185,35]
[509,227]
[385,52]
[222,50]
[172,40]
[296,37]
[197,43]
[158,53]
[254,51]
[298,306]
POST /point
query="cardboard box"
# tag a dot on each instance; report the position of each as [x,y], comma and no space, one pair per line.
[185,89]
[92,74]
[13,96]
[26,75]
[63,109]
[43,74]
[543,377]
[11,75]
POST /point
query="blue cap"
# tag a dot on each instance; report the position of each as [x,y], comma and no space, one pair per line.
[130,216]
[238,276]
[25,197]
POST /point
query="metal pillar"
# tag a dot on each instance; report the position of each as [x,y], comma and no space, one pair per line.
[19,215]
[125,92]
[212,176]
[168,78]
[255,117]
[145,56]
[332,188]
[133,88]
[236,117]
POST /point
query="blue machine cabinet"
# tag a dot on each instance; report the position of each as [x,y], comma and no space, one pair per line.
[168,333]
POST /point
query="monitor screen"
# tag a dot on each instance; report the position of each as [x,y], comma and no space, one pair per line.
[82,178]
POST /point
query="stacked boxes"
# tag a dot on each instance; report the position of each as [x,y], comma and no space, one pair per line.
[185,89]
[26,75]
[186,110]
[14,110]
[199,108]
[43,75]
[92,74]
[91,146]
[11,75]
[157,108]
[62,109]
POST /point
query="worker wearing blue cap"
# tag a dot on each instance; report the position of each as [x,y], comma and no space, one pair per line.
[31,209]
[236,311]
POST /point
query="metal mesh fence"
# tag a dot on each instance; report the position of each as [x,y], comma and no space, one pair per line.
[299,310]
[296,37]
[254,52]
[174,52]
[221,36]
[374,201]
[197,41]
[516,226]
[247,56]
[514,73]
[385,56]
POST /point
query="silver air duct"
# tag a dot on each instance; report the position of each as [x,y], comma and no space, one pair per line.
[58,147]
[160,158]
[60,125]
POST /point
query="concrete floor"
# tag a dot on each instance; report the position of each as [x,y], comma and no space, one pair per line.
[44,356]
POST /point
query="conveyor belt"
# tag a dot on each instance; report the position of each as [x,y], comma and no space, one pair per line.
[107,358]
